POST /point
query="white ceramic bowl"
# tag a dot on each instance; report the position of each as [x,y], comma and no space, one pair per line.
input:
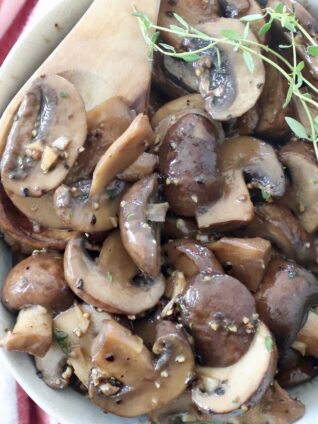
[68,407]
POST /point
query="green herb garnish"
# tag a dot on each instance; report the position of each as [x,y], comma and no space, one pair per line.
[63,341]
[291,71]
[292,274]
[109,276]
[268,343]
[266,196]
[63,94]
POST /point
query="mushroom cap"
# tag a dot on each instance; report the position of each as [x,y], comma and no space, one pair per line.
[278,225]
[188,162]
[141,383]
[191,258]
[301,162]
[284,299]
[54,111]
[235,90]
[37,280]
[100,284]
[214,308]
[225,390]
[140,236]
[238,156]
[300,370]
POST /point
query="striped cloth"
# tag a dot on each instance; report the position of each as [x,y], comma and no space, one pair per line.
[15,405]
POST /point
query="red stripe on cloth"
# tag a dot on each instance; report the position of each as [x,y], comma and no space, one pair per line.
[12,34]
[28,411]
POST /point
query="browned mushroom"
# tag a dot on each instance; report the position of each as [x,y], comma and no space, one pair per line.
[105,124]
[81,213]
[238,156]
[44,142]
[301,162]
[188,162]
[121,154]
[23,234]
[278,225]
[37,280]
[191,258]
[32,332]
[218,311]
[143,166]
[139,231]
[244,258]
[126,380]
[99,284]
[74,332]
[284,299]
[221,391]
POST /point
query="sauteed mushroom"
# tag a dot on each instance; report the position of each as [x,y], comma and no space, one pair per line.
[45,138]
[143,166]
[99,284]
[133,383]
[237,156]
[37,280]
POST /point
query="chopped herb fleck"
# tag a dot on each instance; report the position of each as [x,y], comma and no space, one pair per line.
[63,94]
[109,276]
[266,196]
[111,193]
[62,340]
[268,343]
[292,274]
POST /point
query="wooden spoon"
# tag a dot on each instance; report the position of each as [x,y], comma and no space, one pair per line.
[105,55]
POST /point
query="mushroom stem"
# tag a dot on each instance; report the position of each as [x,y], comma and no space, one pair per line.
[307,339]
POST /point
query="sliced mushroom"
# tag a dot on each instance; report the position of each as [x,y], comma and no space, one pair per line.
[301,162]
[307,337]
[297,369]
[133,383]
[238,156]
[122,153]
[218,311]
[23,234]
[222,391]
[140,236]
[93,284]
[39,209]
[143,166]
[278,225]
[106,123]
[81,213]
[188,162]
[191,258]
[74,331]
[32,332]
[244,258]
[37,280]
[231,89]
[47,133]
[286,295]
[53,369]
[272,112]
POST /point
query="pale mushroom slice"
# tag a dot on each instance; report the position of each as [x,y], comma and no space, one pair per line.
[74,332]
[25,235]
[53,368]
[139,234]
[222,391]
[302,197]
[46,135]
[122,153]
[307,338]
[231,89]
[127,380]
[81,213]
[236,157]
[105,123]
[101,284]
[32,332]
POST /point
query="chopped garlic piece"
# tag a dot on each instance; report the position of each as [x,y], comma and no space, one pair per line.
[48,159]
[61,143]
[36,145]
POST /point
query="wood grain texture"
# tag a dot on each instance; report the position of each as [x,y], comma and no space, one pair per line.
[104,55]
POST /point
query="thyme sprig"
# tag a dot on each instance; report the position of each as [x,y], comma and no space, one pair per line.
[299,87]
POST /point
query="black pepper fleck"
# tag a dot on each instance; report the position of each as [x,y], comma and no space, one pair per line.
[79,283]
[93,219]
